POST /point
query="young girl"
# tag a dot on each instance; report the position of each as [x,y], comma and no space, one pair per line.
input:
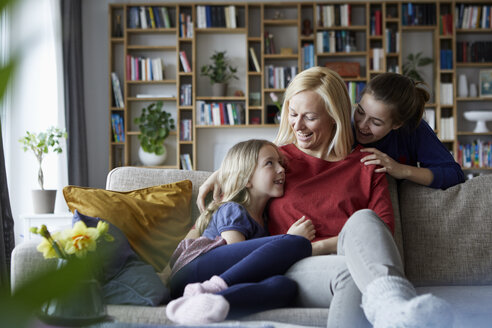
[230,266]
[388,123]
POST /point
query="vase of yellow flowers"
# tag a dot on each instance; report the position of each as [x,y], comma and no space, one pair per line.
[85,303]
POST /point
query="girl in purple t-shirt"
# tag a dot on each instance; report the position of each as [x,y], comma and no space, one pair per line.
[235,268]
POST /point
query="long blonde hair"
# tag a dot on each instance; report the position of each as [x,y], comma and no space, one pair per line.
[331,88]
[236,170]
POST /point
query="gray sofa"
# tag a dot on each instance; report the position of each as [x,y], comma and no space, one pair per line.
[445,238]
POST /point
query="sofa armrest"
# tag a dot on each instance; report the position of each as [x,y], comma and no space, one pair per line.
[26,262]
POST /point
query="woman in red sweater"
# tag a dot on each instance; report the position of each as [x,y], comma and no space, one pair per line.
[349,204]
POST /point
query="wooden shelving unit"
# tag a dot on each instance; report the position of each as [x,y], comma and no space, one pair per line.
[286,22]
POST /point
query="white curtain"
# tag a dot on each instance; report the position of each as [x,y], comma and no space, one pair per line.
[37,103]
[4,56]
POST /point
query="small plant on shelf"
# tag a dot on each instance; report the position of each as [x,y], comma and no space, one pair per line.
[220,71]
[412,65]
[154,124]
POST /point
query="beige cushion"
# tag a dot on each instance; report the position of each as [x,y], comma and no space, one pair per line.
[447,234]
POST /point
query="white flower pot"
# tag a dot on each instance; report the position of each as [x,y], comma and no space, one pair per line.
[151,159]
[44,200]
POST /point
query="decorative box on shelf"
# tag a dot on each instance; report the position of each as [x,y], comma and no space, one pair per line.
[53,221]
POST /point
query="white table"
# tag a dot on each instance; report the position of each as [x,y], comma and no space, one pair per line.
[53,221]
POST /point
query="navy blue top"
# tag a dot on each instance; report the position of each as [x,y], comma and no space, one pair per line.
[232,216]
[421,145]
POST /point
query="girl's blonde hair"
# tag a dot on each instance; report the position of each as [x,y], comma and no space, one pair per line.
[331,88]
[236,170]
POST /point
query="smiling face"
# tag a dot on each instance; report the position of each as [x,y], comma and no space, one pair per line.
[311,123]
[269,175]
[372,120]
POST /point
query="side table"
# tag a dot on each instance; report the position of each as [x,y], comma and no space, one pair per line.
[53,221]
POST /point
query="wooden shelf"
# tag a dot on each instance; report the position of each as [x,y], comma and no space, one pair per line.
[253,20]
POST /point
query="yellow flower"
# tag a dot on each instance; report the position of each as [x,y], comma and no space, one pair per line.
[46,247]
[80,239]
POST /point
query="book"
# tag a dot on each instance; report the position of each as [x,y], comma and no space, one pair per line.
[186,162]
[184,62]
[255,60]
[165,17]
[118,95]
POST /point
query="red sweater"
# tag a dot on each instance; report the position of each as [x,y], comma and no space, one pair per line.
[328,193]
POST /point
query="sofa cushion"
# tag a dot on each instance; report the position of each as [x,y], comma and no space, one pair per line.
[447,234]
[154,219]
[127,178]
[127,279]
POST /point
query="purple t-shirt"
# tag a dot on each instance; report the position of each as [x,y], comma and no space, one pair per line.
[232,216]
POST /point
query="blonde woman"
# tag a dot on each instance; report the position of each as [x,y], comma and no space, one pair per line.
[235,268]
[350,207]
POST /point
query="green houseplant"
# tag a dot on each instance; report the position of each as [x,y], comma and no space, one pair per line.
[154,124]
[219,72]
[412,65]
[41,144]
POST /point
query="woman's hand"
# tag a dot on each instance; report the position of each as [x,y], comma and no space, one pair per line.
[303,227]
[387,164]
[209,185]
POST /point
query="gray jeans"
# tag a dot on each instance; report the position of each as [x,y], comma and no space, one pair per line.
[365,251]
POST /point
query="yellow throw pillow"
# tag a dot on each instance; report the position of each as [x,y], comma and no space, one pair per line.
[154,219]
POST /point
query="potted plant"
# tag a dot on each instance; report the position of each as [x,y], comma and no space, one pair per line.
[41,144]
[411,67]
[219,72]
[154,124]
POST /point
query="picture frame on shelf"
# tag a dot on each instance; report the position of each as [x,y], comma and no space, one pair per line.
[485,81]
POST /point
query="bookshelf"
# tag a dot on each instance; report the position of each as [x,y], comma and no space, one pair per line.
[361,38]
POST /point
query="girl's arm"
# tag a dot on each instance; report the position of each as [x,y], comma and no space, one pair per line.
[232,236]
[209,185]
[420,175]
[438,169]
[303,227]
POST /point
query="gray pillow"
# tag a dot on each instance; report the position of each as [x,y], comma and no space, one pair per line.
[126,279]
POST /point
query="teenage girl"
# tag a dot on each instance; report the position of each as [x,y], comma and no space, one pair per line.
[235,268]
[388,123]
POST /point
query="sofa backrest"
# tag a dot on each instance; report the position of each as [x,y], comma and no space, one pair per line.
[447,234]
[129,178]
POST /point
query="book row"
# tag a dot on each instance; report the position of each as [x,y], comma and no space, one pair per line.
[473,16]
[185,95]
[186,162]
[355,90]
[185,130]
[185,26]
[144,69]
[335,41]
[219,113]
[446,56]
[216,16]
[446,24]
[393,40]
[307,55]
[476,154]
[118,127]
[333,15]
[418,14]
[447,128]
[149,17]
[375,23]
[474,52]
[278,77]
[446,94]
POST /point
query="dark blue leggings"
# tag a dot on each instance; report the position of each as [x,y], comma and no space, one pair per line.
[253,270]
